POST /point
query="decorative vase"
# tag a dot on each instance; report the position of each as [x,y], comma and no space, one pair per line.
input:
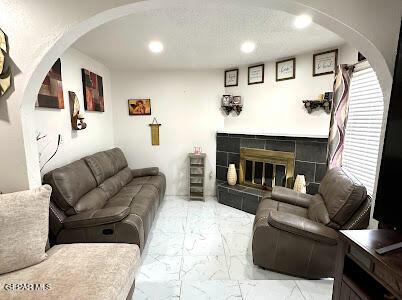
[232,175]
[300,184]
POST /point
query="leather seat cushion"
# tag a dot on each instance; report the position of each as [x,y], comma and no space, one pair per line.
[342,195]
[118,159]
[143,201]
[156,181]
[267,205]
[77,271]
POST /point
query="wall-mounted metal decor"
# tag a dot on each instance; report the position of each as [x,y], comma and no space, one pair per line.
[325,103]
[231,103]
[155,132]
[77,118]
[5,68]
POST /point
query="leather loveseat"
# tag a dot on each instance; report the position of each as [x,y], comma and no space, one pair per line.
[100,199]
[297,234]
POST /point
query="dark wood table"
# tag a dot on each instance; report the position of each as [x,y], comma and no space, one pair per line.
[361,273]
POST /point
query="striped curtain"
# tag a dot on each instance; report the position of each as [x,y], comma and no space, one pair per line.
[339,115]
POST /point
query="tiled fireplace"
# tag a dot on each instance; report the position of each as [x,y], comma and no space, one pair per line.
[309,156]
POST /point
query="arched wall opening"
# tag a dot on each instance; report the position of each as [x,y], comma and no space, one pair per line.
[352,36]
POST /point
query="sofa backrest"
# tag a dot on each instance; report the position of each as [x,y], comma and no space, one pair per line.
[69,184]
[342,195]
[88,183]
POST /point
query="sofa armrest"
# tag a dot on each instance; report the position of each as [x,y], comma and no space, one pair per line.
[145,172]
[303,227]
[290,196]
[97,217]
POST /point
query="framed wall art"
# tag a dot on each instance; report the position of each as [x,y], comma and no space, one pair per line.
[286,69]
[325,62]
[93,91]
[256,74]
[51,91]
[139,107]
[231,77]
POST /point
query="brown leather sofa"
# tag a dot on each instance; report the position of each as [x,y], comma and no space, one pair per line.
[99,199]
[297,234]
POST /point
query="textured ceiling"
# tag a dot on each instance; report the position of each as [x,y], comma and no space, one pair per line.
[202,37]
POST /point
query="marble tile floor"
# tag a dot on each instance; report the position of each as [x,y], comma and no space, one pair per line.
[202,250]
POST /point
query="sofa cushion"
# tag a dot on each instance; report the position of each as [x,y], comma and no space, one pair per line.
[342,195]
[101,166]
[94,199]
[77,271]
[157,181]
[24,219]
[69,184]
[317,211]
[118,159]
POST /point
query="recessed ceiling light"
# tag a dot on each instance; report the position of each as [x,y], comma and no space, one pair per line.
[155,47]
[247,47]
[302,21]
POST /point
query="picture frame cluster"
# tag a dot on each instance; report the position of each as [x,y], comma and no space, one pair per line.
[324,63]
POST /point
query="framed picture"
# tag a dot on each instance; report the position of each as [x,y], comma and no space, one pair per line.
[325,62]
[256,74]
[231,77]
[51,91]
[93,91]
[286,69]
[139,107]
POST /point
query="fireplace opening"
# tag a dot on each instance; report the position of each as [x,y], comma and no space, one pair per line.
[265,169]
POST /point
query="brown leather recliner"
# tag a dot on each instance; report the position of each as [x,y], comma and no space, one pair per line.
[100,199]
[297,234]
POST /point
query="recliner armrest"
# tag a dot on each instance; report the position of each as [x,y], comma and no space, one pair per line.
[97,217]
[290,196]
[303,227]
[145,172]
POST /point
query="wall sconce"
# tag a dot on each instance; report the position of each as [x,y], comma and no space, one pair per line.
[77,118]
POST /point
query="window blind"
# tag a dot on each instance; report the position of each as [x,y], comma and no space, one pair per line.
[363,128]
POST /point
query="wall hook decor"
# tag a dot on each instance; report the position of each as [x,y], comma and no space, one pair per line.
[77,118]
[155,132]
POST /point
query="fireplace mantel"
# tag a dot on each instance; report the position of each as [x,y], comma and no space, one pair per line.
[276,134]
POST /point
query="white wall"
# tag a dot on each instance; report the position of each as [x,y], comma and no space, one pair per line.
[276,107]
[49,27]
[186,104]
[99,133]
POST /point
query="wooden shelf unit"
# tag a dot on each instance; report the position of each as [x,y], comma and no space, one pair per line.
[197,176]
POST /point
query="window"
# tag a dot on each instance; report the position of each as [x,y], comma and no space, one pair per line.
[363,128]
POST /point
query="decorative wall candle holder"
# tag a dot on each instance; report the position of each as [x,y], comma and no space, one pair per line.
[325,104]
[231,103]
[77,118]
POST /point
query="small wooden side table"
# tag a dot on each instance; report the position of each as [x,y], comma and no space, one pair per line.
[361,273]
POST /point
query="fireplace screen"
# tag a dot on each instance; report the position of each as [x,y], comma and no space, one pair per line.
[265,168]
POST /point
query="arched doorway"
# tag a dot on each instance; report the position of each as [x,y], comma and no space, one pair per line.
[69,37]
